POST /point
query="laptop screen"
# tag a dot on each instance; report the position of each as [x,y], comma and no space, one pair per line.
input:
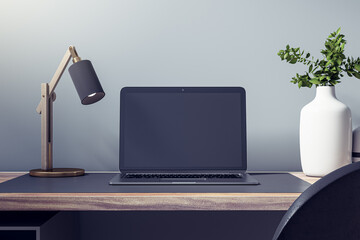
[177,129]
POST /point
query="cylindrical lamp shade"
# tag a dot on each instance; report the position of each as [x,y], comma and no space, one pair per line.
[86,82]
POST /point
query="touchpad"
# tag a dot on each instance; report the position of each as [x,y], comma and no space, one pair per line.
[182,179]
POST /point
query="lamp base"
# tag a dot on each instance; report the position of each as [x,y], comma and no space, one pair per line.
[57,172]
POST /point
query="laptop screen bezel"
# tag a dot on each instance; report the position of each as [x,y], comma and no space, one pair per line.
[125,90]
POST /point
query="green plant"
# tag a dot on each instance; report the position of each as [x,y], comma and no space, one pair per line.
[330,69]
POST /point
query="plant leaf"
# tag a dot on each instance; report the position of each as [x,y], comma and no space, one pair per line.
[315,81]
[356,74]
[293,60]
[310,68]
[338,31]
[357,67]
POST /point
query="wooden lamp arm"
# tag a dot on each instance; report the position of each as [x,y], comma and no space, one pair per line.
[71,52]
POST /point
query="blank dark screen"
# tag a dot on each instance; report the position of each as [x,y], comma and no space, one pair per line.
[180,130]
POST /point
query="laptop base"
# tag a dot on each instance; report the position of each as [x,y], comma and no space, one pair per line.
[246,179]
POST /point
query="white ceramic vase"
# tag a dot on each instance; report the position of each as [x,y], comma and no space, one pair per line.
[325,134]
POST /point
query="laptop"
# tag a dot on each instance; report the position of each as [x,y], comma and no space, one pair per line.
[182,135]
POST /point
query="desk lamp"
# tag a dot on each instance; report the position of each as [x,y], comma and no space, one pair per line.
[89,90]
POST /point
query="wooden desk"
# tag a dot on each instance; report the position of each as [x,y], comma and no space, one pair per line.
[146,201]
[161,216]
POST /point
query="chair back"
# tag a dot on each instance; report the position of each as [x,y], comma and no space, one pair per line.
[328,209]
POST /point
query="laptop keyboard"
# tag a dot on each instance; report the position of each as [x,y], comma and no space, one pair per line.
[137,175]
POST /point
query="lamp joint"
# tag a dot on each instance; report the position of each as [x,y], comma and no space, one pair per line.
[74,54]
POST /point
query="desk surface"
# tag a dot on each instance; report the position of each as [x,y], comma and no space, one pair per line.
[145,201]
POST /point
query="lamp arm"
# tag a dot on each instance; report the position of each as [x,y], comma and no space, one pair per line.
[45,108]
[71,52]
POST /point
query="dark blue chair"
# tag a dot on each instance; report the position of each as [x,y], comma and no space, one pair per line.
[328,209]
